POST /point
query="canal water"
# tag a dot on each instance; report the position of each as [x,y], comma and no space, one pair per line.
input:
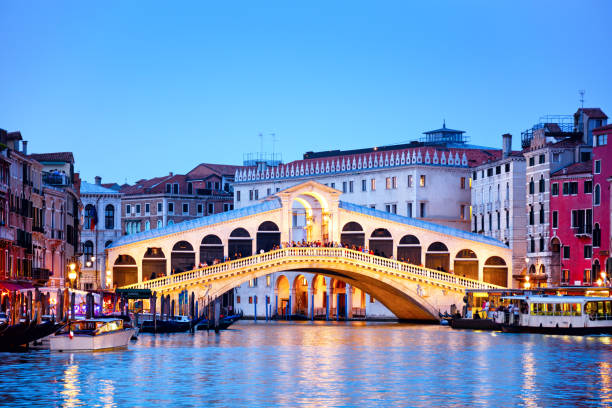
[318,364]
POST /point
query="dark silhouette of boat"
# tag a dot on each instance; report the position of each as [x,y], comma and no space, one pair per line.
[224,322]
[19,335]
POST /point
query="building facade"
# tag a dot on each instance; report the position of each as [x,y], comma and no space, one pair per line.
[498,202]
[101,226]
[602,171]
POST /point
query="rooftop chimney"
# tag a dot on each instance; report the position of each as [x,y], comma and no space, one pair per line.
[98,180]
[24,147]
[171,174]
[506,144]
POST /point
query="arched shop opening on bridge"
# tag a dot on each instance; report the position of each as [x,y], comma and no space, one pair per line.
[153,263]
[268,236]
[466,264]
[125,271]
[496,271]
[182,257]
[300,288]
[409,250]
[352,235]
[282,295]
[211,249]
[310,218]
[437,257]
[240,244]
[381,242]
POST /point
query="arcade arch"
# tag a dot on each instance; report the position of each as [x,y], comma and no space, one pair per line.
[496,271]
[211,249]
[381,242]
[268,236]
[282,294]
[352,235]
[300,288]
[182,257]
[437,257]
[153,264]
[409,250]
[240,244]
[466,264]
[125,271]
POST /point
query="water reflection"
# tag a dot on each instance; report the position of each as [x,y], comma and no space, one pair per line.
[306,364]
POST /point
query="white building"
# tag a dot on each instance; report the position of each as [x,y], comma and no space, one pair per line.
[498,202]
[96,236]
[428,179]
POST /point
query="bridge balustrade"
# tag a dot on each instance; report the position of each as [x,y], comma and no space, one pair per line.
[397,268]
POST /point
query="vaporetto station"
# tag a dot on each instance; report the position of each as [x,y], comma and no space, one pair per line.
[417,270]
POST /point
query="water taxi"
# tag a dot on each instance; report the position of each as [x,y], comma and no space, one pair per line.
[570,315]
[92,334]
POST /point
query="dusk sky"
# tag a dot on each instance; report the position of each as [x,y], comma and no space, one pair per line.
[139,89]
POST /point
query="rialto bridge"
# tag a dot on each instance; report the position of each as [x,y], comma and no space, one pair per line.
[417,268]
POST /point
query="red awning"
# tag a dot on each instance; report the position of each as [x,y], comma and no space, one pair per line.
[15,286]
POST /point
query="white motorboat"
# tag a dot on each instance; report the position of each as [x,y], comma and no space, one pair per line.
[92,334]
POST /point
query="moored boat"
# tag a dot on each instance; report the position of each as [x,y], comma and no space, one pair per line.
[92,334]
[565,315]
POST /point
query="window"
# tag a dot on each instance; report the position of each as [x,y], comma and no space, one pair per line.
[364,185]
[490,222]
[597,195]
[109,217]
[507,168]
[237,299]
[333,185]
[391,208]
[147,208]
[462,211]
[422,210]
[168,188]
[498,220]
[588,187]
[507,219]
[531,245]
[462,183]
[566,252]
[542,185]
[373,206]
[228,206]
[531,186]
[556,157]
[565,276]
[350,186]
[388,183]
[422,180]
[268,191]
[189,188]
[555,219]
[373,185]
[170,208]
[498,170]
[200,208]
[211,208]
[88,249]
[565,189]
[250,297]
[344,186]
[128,210]
[257,194]
[217,185]
[238,195]
[542,214]
[268,281]
[138,209]
[175,188]
[409,210]
[555,189]
[542,159]
[394,182]
[597,166]
[185,208]
[474,175]
[159,207]
[490,172]
[541,244]
[531,161]
[250,195]
[596,236]
[531,215]
[588,252]
[410,181]
[601,140]
[147,225]
[159,223]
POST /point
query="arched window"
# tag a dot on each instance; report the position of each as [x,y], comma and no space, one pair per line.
[498,193]
[531,186]
[597,195]
[89,214]
[542,185]
[507,191]
[88,249]
[159,223]
[596,236]
[109,217]
[171,222]
[147,225]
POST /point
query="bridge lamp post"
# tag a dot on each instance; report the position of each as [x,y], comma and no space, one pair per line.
[72,275]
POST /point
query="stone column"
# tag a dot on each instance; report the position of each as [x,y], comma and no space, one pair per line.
[349,301]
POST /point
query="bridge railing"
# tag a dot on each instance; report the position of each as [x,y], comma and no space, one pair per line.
[322,252]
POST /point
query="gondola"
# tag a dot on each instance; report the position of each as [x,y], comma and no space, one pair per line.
[224,323]
[21,334]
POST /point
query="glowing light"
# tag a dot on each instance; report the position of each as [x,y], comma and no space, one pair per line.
[527,285]
[108,272]
[599,282]
[526,278]
[72,266]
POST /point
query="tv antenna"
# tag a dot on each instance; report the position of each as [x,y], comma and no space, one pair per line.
[581,92]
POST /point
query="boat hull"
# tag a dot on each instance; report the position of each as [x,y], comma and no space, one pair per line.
[78,342]
[475,324]
[566,331]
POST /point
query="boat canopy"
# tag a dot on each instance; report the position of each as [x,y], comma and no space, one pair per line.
[557,299]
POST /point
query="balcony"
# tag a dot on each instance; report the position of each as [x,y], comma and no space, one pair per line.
[40,274]
[497,205]
[55,179]
[583,231]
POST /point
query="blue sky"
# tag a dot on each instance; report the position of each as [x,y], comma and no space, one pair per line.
[138,89]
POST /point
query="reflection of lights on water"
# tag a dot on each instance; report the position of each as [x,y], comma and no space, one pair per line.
[528,394]
[605,370]
[107,391]
[71,385]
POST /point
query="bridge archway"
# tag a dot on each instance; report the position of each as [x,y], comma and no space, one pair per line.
[153,263]
[211,249]
[409,250]
[496,271]
[437,257]
[282,294]
[352,235]
[300,288]
[182,257]
[125,271]
[268,236]
[240,244]
[319,290]
[381,242]
[466,264]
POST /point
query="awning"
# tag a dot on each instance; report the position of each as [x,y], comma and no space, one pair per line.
[134,293]
[15,285]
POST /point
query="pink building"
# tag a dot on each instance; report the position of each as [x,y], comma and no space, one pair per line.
[602,171]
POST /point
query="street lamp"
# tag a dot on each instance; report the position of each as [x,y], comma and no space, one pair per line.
[108,278]
[72,275]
